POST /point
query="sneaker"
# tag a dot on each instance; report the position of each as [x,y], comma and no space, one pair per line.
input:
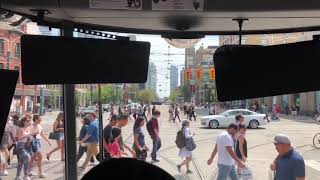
[43,175]
[19,178]
[179,168]
[5,173]
[189,172]
[32,174]
[27,178]
[156,160]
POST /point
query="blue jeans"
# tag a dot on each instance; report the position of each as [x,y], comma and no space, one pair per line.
[24,154]
[156,146]
[227,171]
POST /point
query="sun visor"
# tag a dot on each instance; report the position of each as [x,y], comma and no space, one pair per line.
[249,71]
[64,60]
[8,81]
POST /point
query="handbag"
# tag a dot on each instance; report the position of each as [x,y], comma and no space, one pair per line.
[190,145]
[54,136]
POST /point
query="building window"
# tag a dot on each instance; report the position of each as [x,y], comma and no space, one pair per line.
[1,66]
[17,50]
[1,46]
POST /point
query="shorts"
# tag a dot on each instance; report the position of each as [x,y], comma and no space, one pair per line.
[60,136]
[36,145]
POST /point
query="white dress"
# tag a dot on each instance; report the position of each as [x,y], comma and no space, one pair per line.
[184,153]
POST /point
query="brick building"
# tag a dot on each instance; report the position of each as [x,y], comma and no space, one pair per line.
[10,49]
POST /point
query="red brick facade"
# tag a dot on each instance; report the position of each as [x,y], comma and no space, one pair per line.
[10,44]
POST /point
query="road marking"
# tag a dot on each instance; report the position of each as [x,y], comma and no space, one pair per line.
[313,164]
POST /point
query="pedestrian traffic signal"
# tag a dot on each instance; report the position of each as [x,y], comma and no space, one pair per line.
[188,74]
[212,74]
[198,73]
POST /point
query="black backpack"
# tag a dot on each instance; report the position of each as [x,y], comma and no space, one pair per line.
[180,141]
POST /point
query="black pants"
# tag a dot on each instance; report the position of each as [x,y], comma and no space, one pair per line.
[192,115]
[176,115]
[81,151]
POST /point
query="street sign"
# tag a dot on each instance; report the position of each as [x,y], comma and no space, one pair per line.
[212,74]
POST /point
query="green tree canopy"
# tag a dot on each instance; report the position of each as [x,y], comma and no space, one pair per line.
[146,96]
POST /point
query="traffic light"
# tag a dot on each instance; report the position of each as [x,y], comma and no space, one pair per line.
[188,74]
[198,73]
[212,74]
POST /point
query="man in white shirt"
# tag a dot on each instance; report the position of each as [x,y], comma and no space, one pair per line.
[226,155]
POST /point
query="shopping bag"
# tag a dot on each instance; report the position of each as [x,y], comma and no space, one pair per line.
[246,173]
[271,175]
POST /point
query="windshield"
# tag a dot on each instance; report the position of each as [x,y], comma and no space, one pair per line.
[181,87]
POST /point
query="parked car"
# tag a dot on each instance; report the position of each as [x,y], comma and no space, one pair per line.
[251,119]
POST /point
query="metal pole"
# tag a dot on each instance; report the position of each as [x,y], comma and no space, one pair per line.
[91,94]
[101,154]
[8,59]
[41,101]
[70,120]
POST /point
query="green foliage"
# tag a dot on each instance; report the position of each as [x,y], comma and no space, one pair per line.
[174,94]
[146,96]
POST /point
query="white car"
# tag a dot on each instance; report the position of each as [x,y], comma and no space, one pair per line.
[251,119]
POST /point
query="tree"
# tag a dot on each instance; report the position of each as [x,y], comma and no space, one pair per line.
[146,96]
[174,94]
[186,93]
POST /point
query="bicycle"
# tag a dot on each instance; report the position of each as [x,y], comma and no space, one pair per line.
[316,141]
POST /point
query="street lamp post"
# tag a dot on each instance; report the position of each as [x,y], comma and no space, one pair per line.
[41,113]
[91,94]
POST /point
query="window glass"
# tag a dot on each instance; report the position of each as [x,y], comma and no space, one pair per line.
[1,46]
[17,50]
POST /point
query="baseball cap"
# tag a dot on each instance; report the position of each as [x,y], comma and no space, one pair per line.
[281,139]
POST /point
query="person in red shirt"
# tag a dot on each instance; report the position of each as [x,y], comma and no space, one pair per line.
[113,147]
[278,110]
[156,141]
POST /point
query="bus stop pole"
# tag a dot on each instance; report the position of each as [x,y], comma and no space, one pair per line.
[70,120]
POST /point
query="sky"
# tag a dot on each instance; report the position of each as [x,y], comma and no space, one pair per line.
[158,55]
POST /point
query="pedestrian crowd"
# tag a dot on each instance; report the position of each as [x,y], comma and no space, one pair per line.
[24,138]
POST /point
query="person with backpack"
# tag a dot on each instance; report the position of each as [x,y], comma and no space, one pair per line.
[153,130]
[185,153]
